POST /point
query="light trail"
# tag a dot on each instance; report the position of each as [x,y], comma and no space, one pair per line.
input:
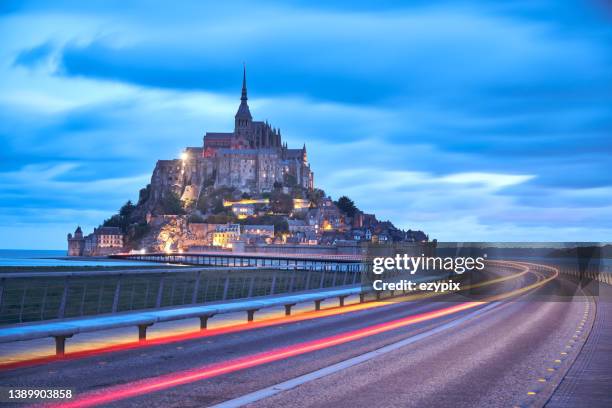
[153,384]
[137,388]
[305,316]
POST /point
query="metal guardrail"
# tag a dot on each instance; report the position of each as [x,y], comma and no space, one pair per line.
[238,259]
[61,330]
[603,275]
[29,297]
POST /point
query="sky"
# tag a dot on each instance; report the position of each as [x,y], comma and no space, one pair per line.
[472,121]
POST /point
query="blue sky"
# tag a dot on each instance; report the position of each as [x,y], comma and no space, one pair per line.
[469,120]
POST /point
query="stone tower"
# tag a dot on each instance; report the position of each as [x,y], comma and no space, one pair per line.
[76,244]
[243,120]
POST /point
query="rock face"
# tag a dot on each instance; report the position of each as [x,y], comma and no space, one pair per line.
[167,233]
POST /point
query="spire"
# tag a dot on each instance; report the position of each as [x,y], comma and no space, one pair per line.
[243,116]
[244,88]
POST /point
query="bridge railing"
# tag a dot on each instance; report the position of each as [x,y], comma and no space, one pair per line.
[28,297]
[261,260]
[63,329]
[600,273]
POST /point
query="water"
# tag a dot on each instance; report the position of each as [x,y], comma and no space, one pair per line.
[27,257]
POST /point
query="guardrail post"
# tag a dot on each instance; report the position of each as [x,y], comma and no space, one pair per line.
[251,314]
[317,304]
[142,331]
[288,309]
[204,321]
[60,344]
[341,300]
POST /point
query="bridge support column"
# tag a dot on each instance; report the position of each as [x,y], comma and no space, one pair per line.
[288,309]
[318,304]
[60,344]
[142,331]
[341,300]
[251,314]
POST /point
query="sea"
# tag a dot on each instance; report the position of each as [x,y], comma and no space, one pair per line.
[31,257]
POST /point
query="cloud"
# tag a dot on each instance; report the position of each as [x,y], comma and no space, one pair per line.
[35,56]
[469,120]
[351,57]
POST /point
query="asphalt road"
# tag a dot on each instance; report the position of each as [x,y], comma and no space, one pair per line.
[514,353]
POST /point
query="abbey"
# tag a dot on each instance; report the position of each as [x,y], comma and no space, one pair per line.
[252,159]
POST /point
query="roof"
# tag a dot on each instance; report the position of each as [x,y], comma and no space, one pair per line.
[218,135]
[247,151]
[294,153]
[258,226]
[109,231]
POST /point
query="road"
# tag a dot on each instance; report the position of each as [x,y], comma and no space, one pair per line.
[450,351]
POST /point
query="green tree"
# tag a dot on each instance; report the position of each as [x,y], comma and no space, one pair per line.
[315,196]
[115,221]
[127,209]
[281,203]
[171,204]
[346,205]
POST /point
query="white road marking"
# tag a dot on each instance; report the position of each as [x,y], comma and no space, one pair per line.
[287,385]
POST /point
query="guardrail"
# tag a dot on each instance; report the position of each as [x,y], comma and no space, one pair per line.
[28,297]
[66,328]
[245,259]
[602,275]
[63,330]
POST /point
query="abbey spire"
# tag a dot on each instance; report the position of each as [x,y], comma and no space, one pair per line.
[244,88]
[243,116]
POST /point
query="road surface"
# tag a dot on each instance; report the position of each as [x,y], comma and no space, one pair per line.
[450,351]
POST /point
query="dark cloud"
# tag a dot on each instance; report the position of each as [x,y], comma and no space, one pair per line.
[35,56]
[393,97]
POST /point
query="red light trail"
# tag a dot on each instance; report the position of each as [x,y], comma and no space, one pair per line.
[146,386]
